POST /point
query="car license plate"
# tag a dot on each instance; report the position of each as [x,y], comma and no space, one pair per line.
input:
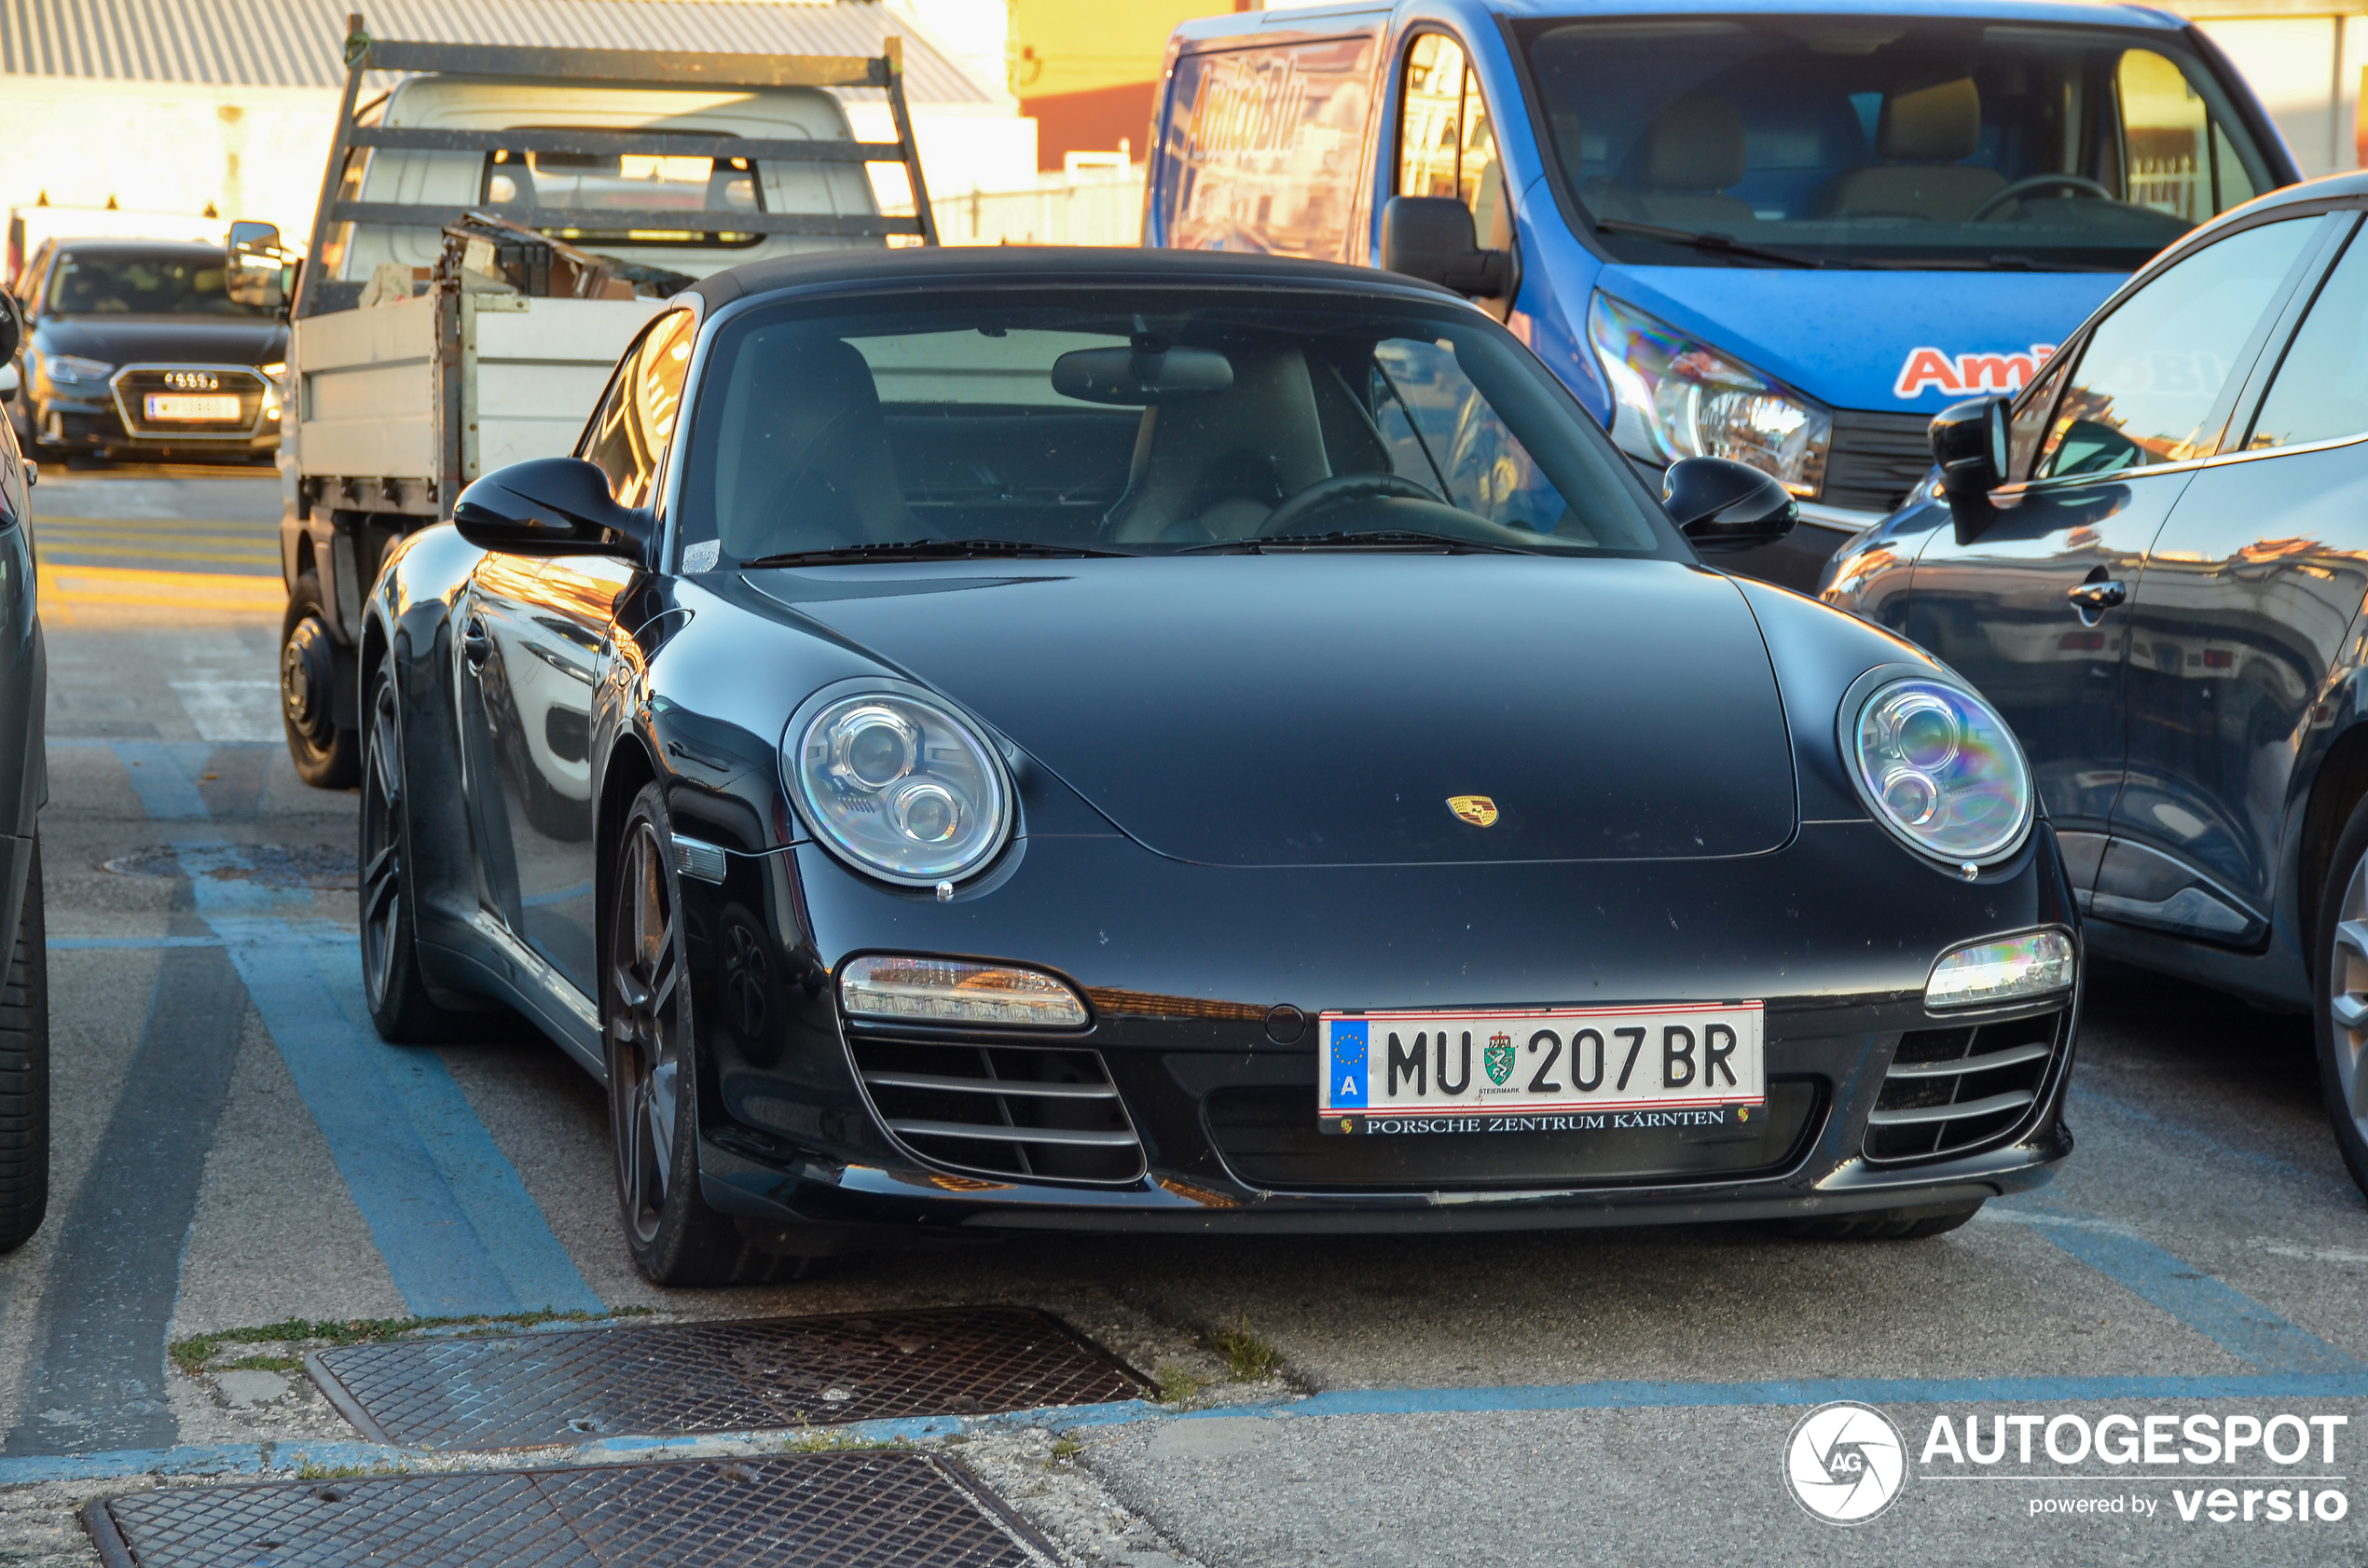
[1549,1068]
[186,405]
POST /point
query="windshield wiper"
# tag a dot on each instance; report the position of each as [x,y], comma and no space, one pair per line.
[1704,240]
[1363,539]
[928,549]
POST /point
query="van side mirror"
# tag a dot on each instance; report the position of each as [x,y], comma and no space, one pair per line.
[1723,505]
[552,506]
[1431,238]
[257,260]
[1969,442]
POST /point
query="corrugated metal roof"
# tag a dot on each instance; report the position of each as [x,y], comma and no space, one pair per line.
[299,43]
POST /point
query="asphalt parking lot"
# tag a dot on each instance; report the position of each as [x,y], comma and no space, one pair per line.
[235,1149]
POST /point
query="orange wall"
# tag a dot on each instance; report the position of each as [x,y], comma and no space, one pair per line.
[1087,69]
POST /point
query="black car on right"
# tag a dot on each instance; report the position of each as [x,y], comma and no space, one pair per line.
[2153,560]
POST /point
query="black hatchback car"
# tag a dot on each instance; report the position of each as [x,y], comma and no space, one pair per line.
[1164,740]
[136,348]
[2153,560]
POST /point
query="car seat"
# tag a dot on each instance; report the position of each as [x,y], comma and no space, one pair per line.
[1683,163]
[1926,129]
[1215,467]
[810,464]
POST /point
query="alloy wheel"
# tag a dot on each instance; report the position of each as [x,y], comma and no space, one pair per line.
[645,1041]
[381,845]
[2348,996]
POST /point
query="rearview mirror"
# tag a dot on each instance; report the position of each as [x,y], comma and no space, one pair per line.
[1723,505]
[255,277]
[1969,442]
[1150,373]
[1430,237]
[551,506]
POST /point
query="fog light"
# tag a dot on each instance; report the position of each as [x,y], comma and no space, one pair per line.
[949,991]
[2032,965]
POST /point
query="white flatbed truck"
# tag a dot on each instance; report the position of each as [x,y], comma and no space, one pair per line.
[410,378]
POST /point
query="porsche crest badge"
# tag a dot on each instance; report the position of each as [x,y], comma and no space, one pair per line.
[1478,810]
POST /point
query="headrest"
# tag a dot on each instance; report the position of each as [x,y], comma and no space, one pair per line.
[796,393]
[1938,122]
[1696,144]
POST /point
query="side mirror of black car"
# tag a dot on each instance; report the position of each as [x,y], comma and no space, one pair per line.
[1430,237]
[11,326]
[1969,442]
[1723,505]
[257,259]
[552,506]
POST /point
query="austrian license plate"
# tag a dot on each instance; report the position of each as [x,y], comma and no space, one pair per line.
[1541,1069]
[190,406]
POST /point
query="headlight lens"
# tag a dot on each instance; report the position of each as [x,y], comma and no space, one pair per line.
[74,367]
[1942,770]
[2033,965]
[1676,398]
[901,786]
[948,990]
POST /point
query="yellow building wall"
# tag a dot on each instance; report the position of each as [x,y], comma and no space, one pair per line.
[1087,70]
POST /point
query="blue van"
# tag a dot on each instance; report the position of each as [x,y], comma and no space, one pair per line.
[1723,227]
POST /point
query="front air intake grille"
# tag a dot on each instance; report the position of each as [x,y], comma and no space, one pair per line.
[1949,1090]
[1033,1113]
[188,390]
[1876,460]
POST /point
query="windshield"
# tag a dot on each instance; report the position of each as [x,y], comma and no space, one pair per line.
[1143,421]
[1883,141]
[176,282]
[643,182]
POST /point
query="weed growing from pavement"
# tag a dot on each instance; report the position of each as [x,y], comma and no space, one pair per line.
[811,1438]
[1177,1385]
[196,1353]
[309,1471]
[1247,1357]
[1066,1450]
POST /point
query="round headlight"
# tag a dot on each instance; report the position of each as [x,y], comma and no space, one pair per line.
[900,786]
[1941,770]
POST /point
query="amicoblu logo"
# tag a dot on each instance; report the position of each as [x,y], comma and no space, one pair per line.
[1845,1463]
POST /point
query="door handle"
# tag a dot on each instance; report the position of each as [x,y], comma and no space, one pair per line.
[475,643]
[2095,598]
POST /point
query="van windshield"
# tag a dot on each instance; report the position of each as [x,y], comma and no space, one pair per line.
[1140,420]
[1872,141]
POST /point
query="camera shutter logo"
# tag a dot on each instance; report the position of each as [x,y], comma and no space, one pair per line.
[1845,1463]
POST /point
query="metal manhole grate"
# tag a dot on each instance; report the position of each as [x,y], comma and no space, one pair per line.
[522,1390]
[913,1510]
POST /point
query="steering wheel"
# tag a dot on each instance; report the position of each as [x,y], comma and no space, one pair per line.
[1297,508]
[1999,197]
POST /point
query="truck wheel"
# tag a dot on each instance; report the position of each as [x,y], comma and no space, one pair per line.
[24,1074]
[645,1004]
[401,1008]
[2341,1014]
[326,756]
[1880,1225]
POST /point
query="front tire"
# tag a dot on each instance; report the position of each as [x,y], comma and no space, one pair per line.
[1880,1225]
[401,1008]
[2340,1012]
[326,756]
[24,1074]
[645,1012]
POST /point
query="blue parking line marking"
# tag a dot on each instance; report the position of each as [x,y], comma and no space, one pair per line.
[2229,1318]
[2266,1163]
[445,1208]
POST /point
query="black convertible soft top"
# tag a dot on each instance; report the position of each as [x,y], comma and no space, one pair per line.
[1037,264]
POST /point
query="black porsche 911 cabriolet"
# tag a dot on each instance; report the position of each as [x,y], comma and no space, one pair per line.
[1033,740]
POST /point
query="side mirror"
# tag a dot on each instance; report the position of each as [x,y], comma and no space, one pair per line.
[11,326]
[551,506]
[1430,237]
[1969,442]
[1723,505]
[257,260]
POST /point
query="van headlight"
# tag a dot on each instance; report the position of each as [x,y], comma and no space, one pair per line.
[898,786]
[1675,397]
[1940,769]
